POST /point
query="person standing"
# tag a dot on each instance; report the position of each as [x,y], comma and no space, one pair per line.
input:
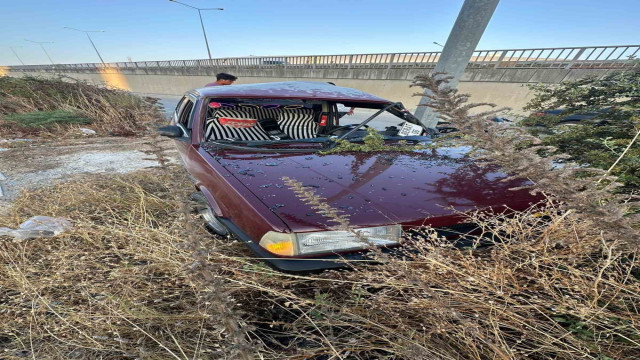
[343,110]
[223,79]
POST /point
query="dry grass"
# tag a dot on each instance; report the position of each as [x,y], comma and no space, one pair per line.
[110,111]
[132,279]
[113,286]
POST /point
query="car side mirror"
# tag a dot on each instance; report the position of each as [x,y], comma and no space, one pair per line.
[172,131]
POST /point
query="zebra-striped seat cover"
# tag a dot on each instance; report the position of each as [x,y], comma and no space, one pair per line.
[297,123]
[216,131]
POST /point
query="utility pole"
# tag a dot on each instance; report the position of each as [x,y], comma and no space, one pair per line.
[201,22]
[15,53]
[42,46]
[91,41]
[461,43]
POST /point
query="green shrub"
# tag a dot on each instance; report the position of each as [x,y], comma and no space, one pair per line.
[600,141]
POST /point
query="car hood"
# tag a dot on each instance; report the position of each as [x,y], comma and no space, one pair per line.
[378,188]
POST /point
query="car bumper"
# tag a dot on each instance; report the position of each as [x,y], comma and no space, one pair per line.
[455,233]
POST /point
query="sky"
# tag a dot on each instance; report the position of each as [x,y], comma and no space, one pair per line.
[161,30]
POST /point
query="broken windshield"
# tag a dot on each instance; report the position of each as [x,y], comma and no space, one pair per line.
[278,124]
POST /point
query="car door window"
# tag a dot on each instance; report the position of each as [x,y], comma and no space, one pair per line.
[176,111]
[184,114]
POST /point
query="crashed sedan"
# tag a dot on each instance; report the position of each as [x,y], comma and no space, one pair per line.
[255,150]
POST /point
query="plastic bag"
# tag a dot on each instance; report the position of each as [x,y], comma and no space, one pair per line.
[38,226]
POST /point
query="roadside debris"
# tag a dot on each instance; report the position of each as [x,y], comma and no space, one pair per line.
[86,131]
[38,226]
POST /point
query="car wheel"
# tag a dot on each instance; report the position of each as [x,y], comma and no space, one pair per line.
[202,208]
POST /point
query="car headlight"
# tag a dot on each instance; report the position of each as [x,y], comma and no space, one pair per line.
[291,244]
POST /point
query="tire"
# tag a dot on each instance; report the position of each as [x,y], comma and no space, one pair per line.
[202,208]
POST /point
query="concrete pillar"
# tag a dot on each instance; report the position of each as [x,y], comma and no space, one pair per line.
[463,39]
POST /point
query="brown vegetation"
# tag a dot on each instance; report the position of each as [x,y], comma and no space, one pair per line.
[132,280]
[106,110]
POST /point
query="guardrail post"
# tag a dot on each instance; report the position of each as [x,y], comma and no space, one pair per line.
[391,61]
[575,58]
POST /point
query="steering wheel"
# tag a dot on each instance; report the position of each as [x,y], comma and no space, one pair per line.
[345,127]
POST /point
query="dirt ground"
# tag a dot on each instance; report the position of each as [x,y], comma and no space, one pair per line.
[31,164]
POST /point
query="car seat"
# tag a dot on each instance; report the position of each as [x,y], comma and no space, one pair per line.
[298,123]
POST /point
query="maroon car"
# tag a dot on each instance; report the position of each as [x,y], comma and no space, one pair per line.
[239,142]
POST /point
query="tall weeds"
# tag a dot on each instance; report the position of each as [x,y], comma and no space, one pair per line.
[110,111]
[131,280]
[517,152]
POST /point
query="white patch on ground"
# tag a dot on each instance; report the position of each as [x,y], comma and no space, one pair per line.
[2,178]
[45,163]
[15,140]
[120,162]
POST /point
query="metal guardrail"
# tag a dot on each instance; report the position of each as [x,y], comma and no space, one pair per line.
[589,57]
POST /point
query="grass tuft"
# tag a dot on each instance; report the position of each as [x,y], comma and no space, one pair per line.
[47,119]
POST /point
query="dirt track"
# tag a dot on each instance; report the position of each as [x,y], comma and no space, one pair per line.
[28,165]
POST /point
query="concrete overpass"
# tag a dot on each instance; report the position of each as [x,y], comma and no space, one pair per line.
[498,76]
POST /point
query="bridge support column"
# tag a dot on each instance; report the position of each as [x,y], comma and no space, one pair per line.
[461,43]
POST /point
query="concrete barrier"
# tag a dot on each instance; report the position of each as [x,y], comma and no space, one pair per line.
[505,87]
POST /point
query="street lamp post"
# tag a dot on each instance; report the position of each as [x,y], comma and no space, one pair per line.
[89,37]
[201,22]
[42,46]
[15,53]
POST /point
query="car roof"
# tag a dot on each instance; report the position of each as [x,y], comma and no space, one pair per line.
[311,90]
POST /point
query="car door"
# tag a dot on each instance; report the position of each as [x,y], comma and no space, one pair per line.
[183,117]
